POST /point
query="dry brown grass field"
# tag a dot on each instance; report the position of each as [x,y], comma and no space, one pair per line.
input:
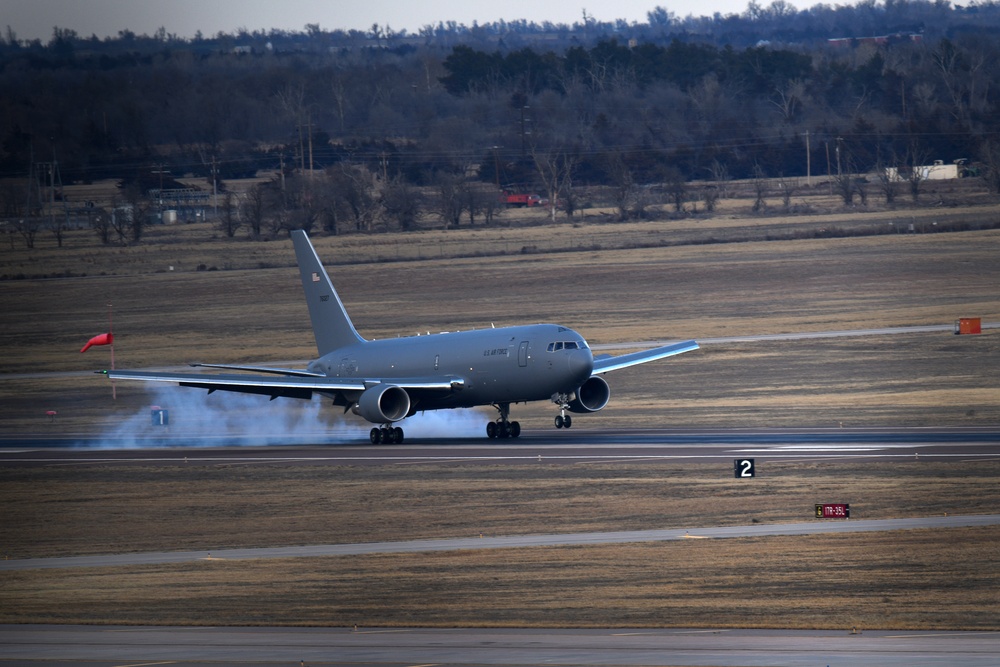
[251,310]
[615,283]
[907,579]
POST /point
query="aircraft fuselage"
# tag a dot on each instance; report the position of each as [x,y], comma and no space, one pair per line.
[509,364]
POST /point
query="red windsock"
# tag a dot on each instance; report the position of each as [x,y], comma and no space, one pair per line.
[100,339]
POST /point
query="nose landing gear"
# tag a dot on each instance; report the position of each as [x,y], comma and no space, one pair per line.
[503,427]
[563,420]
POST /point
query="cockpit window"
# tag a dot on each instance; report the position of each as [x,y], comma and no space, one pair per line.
[568,345]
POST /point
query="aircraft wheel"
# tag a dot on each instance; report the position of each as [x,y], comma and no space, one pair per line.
[567,421]
[515,429]
[375,436]
[491,430]
[559,421]
[397,434]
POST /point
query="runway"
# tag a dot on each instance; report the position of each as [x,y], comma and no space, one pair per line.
[576,446]
[373,647]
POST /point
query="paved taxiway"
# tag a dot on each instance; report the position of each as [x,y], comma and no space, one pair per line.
[107,646]
[506,542]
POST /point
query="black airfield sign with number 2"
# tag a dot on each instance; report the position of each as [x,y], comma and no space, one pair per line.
[743,468]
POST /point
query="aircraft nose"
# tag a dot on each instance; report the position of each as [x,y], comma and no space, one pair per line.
[581,364]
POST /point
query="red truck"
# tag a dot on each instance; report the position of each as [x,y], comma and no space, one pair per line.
[522,200]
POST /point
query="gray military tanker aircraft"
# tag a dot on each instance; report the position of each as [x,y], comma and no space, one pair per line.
[385,381]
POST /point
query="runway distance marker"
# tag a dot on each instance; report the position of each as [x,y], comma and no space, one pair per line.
[744,468]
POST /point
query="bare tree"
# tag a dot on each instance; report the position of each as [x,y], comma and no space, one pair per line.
[788,98]
[253,209]
[480,199]
[555,169]
[623,187]
[846,181]
[722,178]
[292,101]
[120,219]
[759,183]
[914,161]
[676,187]
[401,203]
[888,177]
[28,228]
[449,203]
[100,222]
[710,195]
[229,215]
[356,188]
[786,187]
[989,156]
[137,212]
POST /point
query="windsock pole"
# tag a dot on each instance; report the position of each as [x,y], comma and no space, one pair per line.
[111,330]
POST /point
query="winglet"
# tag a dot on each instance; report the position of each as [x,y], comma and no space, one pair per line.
[331,324]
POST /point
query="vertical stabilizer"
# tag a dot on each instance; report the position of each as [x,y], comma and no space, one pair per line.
[331,325]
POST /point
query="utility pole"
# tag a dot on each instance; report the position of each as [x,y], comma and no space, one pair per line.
[523,151]
[808,162]
[496,166]
[310,128]
[215,188]
[827,144]
[281,161]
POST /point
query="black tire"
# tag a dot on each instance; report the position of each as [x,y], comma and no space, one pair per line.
[515,429]
[559,421]
[491,430]
[567,421]
[375,436]
[397,434]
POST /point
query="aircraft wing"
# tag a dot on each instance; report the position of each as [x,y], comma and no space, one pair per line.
[292,386]
[262,369]
[608,363]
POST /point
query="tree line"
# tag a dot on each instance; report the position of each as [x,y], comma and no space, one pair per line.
[384,115]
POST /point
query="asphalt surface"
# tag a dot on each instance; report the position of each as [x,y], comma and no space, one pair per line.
[506,542]
[551,446]
[119,646]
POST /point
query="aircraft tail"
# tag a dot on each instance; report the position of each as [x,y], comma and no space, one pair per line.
[331,324]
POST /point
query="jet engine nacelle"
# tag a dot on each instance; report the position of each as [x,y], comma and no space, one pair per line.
[592,395]
[383,403]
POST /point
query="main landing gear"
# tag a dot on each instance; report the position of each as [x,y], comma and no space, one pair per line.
[386,435]
[563,420]
[503,427]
